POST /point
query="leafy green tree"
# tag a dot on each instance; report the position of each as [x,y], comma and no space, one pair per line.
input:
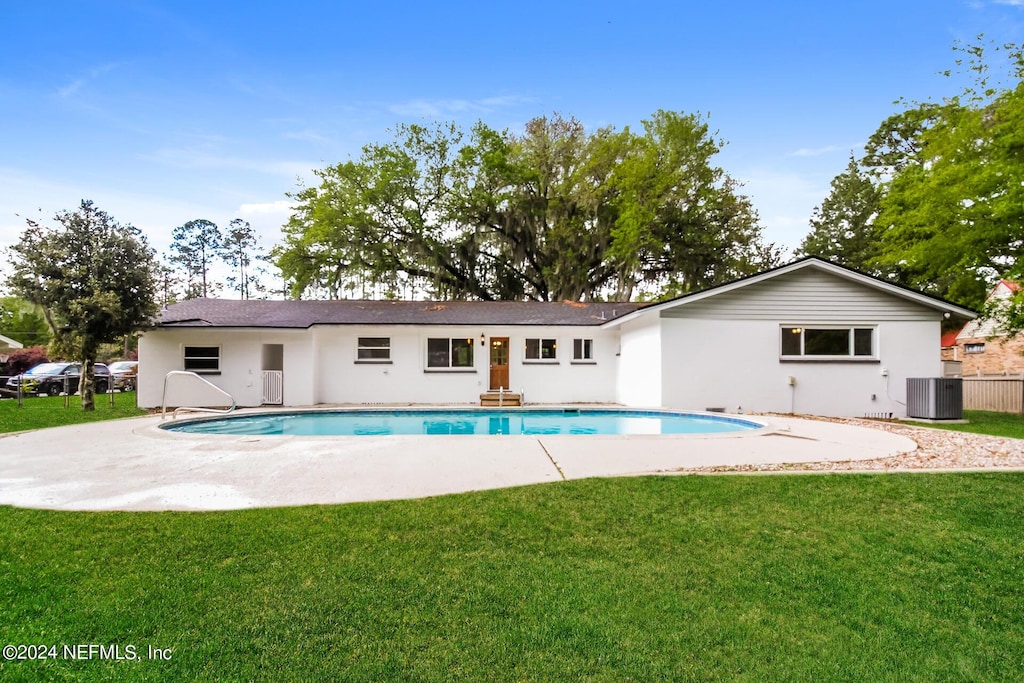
[953,218]
[195,246]
[539,208]
[897,143]
[682,224]
[843,228]
[92,276]
[241,252]
[553,213]
[168,281]
[23,321]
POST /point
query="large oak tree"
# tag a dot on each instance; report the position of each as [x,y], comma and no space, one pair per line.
[552,213]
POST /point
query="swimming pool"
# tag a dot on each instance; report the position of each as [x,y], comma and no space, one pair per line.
[466,422]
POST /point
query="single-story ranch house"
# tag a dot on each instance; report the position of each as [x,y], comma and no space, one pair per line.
[808,337]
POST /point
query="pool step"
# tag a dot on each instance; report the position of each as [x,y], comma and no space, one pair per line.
[494,399]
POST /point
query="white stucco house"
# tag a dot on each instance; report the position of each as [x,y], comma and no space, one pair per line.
[809,337]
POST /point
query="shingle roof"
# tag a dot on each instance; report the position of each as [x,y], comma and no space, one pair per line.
[303,314]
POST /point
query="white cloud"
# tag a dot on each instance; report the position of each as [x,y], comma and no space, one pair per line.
[266,218]
[1014,3]
[813,152]
[192,158]
[436,108]
[281,206]
[305,136]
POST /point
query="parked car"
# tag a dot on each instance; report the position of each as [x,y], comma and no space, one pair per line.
[55,378]
[125,374]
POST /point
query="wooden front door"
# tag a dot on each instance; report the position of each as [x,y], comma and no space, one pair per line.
[499,363]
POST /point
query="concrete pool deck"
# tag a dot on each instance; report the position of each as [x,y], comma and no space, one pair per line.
[133,465]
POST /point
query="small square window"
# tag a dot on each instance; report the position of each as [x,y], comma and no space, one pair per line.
[373,349]
[449,353]
[541,349]
[202,359]
[583,349]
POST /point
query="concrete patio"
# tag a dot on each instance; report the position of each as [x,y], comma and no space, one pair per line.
[134,465]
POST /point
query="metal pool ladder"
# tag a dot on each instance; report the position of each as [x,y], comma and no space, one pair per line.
[219,411]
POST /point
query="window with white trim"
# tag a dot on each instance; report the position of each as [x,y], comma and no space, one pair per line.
[444,353]
[202,359]
[828,342]
[373,350]
[975,348]
[541,349]
[582,349]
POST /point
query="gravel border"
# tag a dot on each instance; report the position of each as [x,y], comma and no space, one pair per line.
[937,449]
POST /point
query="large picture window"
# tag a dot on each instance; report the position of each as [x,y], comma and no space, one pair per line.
[373,350]
[202,359]
[541,349]
[449,353]
[828,342]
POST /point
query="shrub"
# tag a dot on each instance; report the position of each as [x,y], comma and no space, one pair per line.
[20,360]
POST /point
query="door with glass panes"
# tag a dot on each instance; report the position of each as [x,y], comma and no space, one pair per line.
[499,363]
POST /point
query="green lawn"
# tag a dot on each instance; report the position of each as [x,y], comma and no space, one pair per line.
[37,412]
[778,578]
[985,422]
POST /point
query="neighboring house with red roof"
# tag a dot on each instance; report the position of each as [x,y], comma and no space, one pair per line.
[982,348]
[807,337]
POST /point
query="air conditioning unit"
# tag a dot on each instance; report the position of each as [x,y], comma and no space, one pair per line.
[935,398]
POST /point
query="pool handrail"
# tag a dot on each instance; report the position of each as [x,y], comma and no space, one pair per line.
[174,415]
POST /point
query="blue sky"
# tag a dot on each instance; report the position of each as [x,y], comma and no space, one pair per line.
[164,112]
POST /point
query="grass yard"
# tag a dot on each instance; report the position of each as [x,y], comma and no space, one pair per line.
[49,411]
[985,422]
[782,578]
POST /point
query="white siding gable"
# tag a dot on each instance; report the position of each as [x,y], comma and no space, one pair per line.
[804,295]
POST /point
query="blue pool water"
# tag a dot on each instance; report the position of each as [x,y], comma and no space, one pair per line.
[418,422]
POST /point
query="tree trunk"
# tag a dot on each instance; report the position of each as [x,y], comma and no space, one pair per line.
[85,385]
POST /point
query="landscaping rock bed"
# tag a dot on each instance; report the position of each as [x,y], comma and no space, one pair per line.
[937,449]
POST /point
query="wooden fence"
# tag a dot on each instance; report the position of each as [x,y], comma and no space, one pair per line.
[1001,394]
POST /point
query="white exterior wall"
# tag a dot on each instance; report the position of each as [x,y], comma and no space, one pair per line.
[320,366]
[640,366]
[735,365]
[407,379]
[241,357]
[724,351]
